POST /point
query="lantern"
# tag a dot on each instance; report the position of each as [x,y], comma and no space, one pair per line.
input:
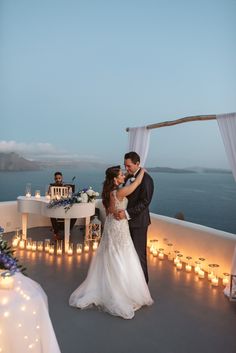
[95,229]
[232,289]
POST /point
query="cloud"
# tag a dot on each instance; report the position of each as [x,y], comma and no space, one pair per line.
[29,149]
[41,150]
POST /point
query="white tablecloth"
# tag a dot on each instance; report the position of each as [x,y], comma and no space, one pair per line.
[25,325]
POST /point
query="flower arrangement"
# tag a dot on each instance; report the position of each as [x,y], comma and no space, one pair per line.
[84,196]
[7,260]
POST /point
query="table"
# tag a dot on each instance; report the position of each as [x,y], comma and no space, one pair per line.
[25,325]
[27,205]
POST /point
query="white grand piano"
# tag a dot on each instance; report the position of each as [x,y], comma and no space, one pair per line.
[27,205]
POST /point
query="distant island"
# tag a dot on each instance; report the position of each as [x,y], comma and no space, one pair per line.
[168,170]
[12,162]
[188,170]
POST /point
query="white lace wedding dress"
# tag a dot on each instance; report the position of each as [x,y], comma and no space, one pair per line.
[115,280]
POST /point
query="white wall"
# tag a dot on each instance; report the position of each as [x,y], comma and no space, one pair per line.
[195,240]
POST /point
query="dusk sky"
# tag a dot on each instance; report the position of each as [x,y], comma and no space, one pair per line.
[74,74]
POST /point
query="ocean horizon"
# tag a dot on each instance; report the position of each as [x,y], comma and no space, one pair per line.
[208,199]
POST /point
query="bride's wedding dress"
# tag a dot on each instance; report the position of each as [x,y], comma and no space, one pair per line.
[115,280]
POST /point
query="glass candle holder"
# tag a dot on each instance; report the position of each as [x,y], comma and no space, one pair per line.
[40,245]
[154,252]
[215,279]
[59,247]
[95,245]
[70,249]
[15,241]
[29,244]
[201,273]
[179,264]
[170,251]
[225,279]
[188,266]
[155,243]
[197,266]
[22,244]
[86,247]
[37,194]
[51,249]
[161,254]
[79,248]
[202,261]
[176,258]
[33,245]
[47,245]
[210,272]
[151,247]
[28,190]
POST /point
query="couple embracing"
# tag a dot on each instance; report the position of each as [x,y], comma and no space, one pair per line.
[118,276]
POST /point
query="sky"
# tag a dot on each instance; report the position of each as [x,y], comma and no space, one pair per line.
[75,74]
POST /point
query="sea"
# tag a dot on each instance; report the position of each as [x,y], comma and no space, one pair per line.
[208,199]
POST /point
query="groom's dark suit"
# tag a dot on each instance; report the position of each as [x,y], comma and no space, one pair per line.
[138,211]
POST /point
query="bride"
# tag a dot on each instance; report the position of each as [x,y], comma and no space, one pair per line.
[115,281]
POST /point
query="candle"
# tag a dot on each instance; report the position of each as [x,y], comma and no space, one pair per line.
[225,278]
[151,249]
[59,251]
[40,246]
[161,255]
[188,268]
[6,282]
[176,260]
[210,276]
[201,274]
[154,252]
[95,245]
[22,244]
[34,246]
[47,245]
[51,249]
[197,269]
[179,265]
[28,194]
[37,194]
[215,281]
[225,281]
[86,247]
[70,250]
[79,249]
[28,245]
[15,242]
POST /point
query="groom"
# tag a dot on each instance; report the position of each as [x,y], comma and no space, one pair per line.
[137,211]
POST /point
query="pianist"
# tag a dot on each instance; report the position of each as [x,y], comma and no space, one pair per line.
[57,223]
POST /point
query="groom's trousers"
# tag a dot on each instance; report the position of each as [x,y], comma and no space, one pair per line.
[139,237]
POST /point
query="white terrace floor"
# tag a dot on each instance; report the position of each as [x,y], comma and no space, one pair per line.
[188,316]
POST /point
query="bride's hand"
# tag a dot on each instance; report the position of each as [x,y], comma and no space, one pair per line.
[143,170]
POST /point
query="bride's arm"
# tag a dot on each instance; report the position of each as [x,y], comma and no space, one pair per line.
[127,190]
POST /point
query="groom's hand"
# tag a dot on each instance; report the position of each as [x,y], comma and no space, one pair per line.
[121,214]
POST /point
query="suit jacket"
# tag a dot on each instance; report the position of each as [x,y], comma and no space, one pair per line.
[138,203]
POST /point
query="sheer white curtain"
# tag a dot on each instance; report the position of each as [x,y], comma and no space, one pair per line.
[227,125]
[139,138]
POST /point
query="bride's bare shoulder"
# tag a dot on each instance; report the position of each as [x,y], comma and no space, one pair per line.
[119,195]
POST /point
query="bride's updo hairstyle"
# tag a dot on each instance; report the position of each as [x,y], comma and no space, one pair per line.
[109,184]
